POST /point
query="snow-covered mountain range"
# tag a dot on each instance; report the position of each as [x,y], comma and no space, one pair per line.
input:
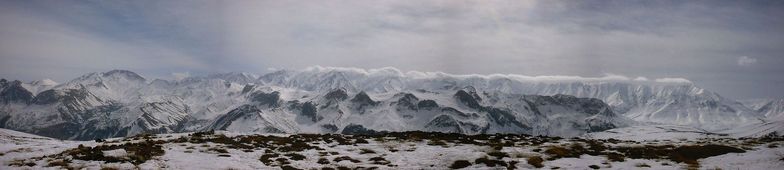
[349,100]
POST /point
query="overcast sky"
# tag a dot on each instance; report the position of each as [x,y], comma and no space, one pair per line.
[732,47]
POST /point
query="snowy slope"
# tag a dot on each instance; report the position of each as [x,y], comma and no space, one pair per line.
[445,111]
[654,132]
[758,129]
[38,86]
[428,151]
[772,109]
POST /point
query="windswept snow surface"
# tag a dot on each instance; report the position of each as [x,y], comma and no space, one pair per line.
[16,145]
[758,130]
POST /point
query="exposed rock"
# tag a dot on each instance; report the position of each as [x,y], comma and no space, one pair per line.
[269,99]
[336,95]
[309,110]
[46,97]
[504,118]
[247,88]
[224,121]
[407,101]
[124,73]
[427,104]
[467,99]
[14,92]
[354,129]
[329,128]
[363,99]
[444,123]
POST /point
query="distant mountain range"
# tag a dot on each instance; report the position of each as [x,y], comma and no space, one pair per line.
[347,100]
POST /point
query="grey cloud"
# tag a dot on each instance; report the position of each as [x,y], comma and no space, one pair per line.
[746,61]
[698,40]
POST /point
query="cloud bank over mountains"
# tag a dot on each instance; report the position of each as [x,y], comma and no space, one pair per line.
[700,41]
[392,71]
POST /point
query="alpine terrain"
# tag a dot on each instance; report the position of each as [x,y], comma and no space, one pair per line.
[121,103]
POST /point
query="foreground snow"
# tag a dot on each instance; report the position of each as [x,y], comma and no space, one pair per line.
[411,150]
[655,132]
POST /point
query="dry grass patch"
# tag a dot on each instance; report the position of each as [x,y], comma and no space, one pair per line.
[535,161]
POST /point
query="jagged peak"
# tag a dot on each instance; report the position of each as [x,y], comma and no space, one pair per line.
[15,83]
[406,96]
[362,97]
[234,76]
[469,89]
[112,74]
[125,73]
[467,99]
[337,94]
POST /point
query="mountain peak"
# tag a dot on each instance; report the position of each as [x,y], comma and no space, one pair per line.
[44,82]
[14,92]
[363,98]
[336,94]
[124,73]
[239,77]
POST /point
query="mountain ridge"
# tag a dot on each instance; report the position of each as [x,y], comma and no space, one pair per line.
[324,100]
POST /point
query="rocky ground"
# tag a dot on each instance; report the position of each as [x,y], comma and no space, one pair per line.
[396,150]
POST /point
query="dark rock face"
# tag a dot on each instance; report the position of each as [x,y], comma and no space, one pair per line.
[85,125]
[14,92]
[224,121]
[247,88]
[427,104]
[598,126]
[354,129]
[587,105]
[453,111]
[74,99]
[272,130]
[309,110]
[329,128]
[3,119]
[504,117]
[153,125]
[444,123]
[336,95]
[467,99]
[268,99]
[46,97]
[125,73]
[363,99]
[407,100]
[63,130]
